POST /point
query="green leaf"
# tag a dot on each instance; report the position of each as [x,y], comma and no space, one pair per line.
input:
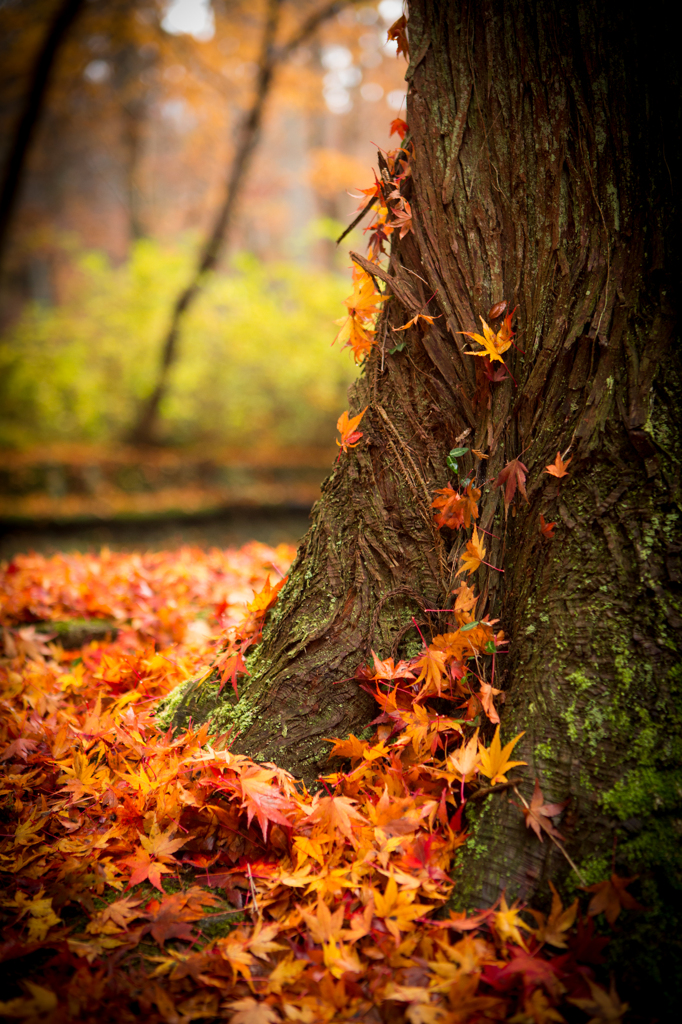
[469,625]
[457,453]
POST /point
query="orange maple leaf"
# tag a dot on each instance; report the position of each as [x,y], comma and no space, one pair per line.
[558,467]
[449,503]
[398,32]
[415,319]
[267,597]
[456,510]
[151,861]
[465,602]
[473,555]
[485,695]
[507,923]
[433,670]
[505,333]
[552,929]
[336,812]
[610,897]
[398,127]
[262,800]
[465,759]
[397,908]
[350,437]
[387,670]
[252,1011]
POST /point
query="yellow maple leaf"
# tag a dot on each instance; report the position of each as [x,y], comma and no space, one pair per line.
[432,665]
[489,341]
[473,555]
[286,974]
[552,929]
[397,908]
[507,922]
[495,759]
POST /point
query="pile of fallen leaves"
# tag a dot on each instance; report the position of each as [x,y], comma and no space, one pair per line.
[157,876]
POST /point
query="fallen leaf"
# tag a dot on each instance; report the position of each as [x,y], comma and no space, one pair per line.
[545,528]
[539,814]
[474,554]
[610,897]
[512,476]
[604,1006]
[558,467]
[507,922]
[251,1011]
[495,759]
[398,32]
[497,310]
[553,928]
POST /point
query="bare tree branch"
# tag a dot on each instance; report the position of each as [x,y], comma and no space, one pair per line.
[270,58]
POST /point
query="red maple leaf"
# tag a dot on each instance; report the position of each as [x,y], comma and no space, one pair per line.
[546,529]
[512,476]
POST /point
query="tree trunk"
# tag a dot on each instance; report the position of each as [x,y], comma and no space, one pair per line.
[41,73]
[545,148]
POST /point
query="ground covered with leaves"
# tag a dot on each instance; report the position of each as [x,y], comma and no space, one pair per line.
[155,875]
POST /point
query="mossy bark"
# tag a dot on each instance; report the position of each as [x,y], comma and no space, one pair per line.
[545,153]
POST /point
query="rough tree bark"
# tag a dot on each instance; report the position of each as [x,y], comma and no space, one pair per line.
[545,151]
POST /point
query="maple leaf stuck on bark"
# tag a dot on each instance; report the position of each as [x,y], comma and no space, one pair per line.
[473,555]
[512,476]
[558,467]
[398,33]
[346,426]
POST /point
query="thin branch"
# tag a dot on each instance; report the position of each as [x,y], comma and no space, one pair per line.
[248,134]
[354,223]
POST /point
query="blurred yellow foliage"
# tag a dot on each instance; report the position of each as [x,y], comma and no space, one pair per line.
[255,362]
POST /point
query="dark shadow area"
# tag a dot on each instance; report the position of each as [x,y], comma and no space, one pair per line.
[229,528]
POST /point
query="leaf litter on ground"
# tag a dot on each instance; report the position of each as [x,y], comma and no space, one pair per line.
[154,873]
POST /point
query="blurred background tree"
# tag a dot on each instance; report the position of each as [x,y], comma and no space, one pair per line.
[120,189]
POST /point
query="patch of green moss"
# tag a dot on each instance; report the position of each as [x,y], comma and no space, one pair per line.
[217,926]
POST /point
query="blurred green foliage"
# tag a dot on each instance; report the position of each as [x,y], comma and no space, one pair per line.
[255,366]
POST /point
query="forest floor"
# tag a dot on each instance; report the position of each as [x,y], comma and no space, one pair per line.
[155,876]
